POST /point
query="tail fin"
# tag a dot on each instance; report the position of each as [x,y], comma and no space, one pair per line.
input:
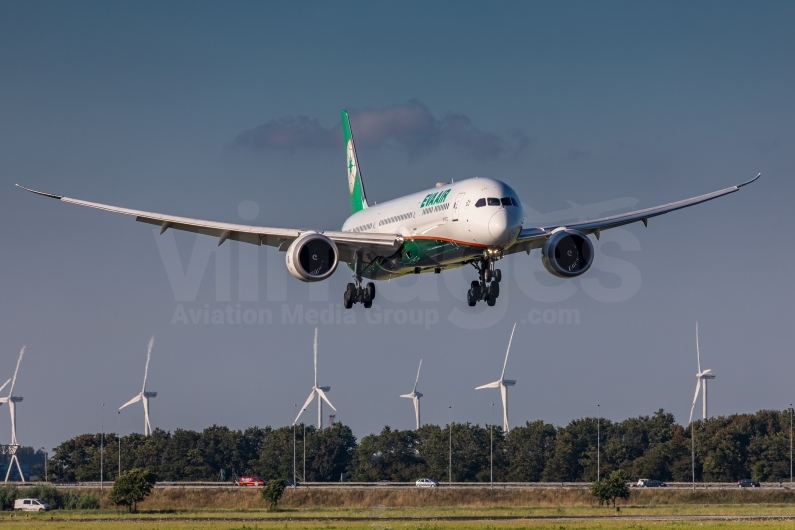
[355,185]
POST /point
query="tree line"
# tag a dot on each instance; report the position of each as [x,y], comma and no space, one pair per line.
[726,449]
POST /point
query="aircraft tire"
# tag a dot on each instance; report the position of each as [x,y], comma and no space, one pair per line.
[370,292]
[491,300]
[497,275]
[471,298]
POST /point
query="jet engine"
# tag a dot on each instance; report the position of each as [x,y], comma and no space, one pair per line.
[312,257]
[567,253]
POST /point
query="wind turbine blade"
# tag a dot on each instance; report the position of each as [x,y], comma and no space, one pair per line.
[315,356]
[695,397]
[495,384]
[698,353]
[4,385]
[407,395]
[504,393]
[308,401]
[136,399]
[323,395]
[507,352]
[14,379]
[148,356]
[415,381]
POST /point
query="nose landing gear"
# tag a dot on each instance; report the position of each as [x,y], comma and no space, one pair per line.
[488,288]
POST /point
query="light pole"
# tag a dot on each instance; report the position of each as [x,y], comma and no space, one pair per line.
[598,444]
[450,464]
[790,443]
[46,456]
[294,406]
[491,450]
[304,424]
[102,448]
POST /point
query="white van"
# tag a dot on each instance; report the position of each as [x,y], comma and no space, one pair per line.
[30,505]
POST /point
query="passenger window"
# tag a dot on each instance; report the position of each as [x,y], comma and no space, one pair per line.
[493,201]
[480,203]
[506,201]
[514,202]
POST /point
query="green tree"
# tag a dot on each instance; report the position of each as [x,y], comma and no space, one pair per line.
[611,488]
[272,492]
[132,487]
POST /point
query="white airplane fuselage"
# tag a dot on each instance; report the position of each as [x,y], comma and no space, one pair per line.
[443,227]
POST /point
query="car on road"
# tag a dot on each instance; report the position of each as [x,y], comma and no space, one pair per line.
[650,483]
[30,505]
[426,483]
[747,483]
[250,481]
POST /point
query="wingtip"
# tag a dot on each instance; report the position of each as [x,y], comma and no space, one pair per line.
[750,181]
[59,197]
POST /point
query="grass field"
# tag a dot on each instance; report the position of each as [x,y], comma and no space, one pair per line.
[197,509]
[35,523]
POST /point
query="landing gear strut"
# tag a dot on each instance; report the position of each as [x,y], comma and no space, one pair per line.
[355,293]
[488,287]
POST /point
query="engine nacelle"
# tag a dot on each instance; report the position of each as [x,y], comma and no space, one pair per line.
[567,253]
[312,257]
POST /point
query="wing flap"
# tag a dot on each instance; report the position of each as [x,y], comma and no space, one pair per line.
[348,242]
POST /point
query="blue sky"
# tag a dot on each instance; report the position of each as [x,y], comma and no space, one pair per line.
[143,105]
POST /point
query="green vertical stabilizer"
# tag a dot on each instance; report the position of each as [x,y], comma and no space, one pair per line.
[355,185]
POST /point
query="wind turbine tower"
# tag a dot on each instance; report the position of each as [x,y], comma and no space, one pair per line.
[702,377]
[415,396]
[145,395]
[503,385]
[12,401]
[320,391]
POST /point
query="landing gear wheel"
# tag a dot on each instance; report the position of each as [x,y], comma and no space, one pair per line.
[486,275]
[474,288]
[497,275]
[491,300]
[349,298]
[368,305]
[494,290]
[471,298]
[369,293]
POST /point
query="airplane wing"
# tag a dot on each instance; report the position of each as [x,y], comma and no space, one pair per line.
[530,238]
[348,243]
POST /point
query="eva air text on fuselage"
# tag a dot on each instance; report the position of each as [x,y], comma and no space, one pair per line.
[434,198]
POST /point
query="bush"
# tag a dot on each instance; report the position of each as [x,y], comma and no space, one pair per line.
[80,500]
[611,488]
[132,487]
[8,494]
[272,492]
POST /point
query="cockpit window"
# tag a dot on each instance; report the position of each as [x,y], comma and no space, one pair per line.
[506,201]
[480,203]
[494,201]
[514,202]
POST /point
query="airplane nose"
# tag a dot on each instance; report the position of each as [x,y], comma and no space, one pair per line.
[502,227]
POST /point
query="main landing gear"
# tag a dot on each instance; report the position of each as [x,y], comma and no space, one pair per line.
[488,288]
[356,293]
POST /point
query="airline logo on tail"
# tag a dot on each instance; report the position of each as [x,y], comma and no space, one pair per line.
[352,169]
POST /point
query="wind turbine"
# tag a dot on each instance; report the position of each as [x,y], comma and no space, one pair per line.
[414,395]
[144,395]
[702,377]
[321,396]
[503,385]
[12,401]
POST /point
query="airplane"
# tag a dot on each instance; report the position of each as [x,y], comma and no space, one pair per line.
[476,221]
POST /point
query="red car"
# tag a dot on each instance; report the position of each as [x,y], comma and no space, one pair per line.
[250,481]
